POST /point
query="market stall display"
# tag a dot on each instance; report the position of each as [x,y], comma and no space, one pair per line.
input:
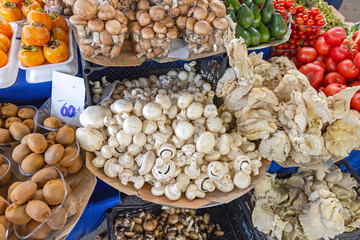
[184,134]
[308,204]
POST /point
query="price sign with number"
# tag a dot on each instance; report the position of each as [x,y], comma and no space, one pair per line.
[67,97]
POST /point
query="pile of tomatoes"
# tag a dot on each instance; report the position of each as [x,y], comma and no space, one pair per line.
[44,37]
[306,28]
[15,10]
[5,36]
[284,7]
[332,65]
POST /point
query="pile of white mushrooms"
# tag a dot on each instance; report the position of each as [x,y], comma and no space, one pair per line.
[308,205]
[166,131]
[101,27]
[275,106]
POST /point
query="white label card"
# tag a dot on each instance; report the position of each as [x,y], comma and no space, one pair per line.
[67,97]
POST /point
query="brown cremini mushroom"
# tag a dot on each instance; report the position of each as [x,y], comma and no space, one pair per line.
[203,3]
[200,13]
[168,22]
[202,28]
[130,14]
[115,51]
[106,12]
[142,5]
[160,27]
[172,33]
[135,27]
[157,51]
[113,27]
[144,44]
[143,18]
[157,13]
[181,22]
[218,8]
[174,12]
[220,23]
[105,50]
[120,17]
[183,9]
[105,38]
[86,49]
[86,9]
[190,23]
[211,17]
[147,33]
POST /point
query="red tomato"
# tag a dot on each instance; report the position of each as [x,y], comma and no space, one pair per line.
[333,89]
[355,35]
[310,22]
[320,23]
[320,63]
[333,77]
[322,47]
[300,9]
[320,58]
[306,54]
[346,42]
[357,60]
[354,52]
[315,11]
[299,21]
[330,64]
[292,47]
[305,18]
[318,17]
[355,102]
[347,69]
[314,73]
[335,35]
[356,83]
[340,52]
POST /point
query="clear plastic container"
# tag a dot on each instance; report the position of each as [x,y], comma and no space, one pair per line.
[20,230]
[200,44]
[43,113]
[157,47]
[9,72]
[6,177]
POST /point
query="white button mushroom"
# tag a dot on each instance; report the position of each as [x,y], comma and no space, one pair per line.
[112,168]
[205,143]
[172,192]
[121,106]
[139,139]
[99,161]
[132,125]
[210,110]
[225,144]
[226,184]
[106,151]
[126,160]
[184,99]
[123,138]
[193,192]
[138,181]
[145,162]
[94,116]
[149,127]
[163,100]
[214,124]
[184,130]
[204,183]
[194,110]
[152,111]
[90,139]
[242,180]
[125,176]
[216,170]
[163,171]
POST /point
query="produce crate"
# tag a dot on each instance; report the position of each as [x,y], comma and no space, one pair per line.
[234,217]
[212,68]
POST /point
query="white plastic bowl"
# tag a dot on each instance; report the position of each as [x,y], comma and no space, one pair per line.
[8,73]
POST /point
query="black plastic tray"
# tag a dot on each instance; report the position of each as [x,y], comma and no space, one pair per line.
[212,67]
[234,217]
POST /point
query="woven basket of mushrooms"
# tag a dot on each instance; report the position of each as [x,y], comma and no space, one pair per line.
[275,107]
[166,132]
[203,26]
[101,27]
[152,31]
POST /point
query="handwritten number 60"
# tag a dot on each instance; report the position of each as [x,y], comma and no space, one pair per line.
[68,111]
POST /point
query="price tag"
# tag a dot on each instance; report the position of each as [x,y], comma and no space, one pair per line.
[67,97]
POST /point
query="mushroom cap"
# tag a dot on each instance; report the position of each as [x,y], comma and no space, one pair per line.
[157,51]
[132,125]
[168,22]
[147,33]
[218,8]
[115,51]
[96,25]
[86,49]
[105,50]
[86,9]
[106,12]
[205,143]
[142,5]
[152,111]
[174,12]
[202,28]
[120,16]
[203,3]
[183,9]
[160,27]
[181,22]
[220,23]
[135,27]
[143,18]
[242,180]
[157,13]
[184,130]
[172,34]
[211,17]
[106,38]
[190,23]
[130,14]
[144,44]
[76,20]
[113,27]
[200,13]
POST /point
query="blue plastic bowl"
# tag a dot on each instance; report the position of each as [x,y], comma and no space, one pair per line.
[335,3]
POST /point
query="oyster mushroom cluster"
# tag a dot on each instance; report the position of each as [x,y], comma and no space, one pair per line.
[204,25]
[275,106]
[152,31]
[167,132]
[101,27]
[308,205]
